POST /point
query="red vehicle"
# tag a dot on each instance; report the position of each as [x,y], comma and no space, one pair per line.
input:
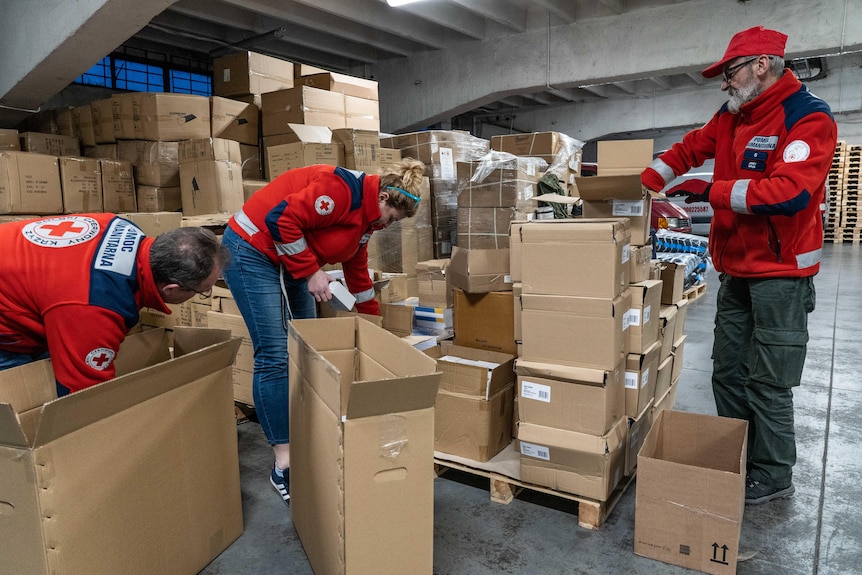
[666,215]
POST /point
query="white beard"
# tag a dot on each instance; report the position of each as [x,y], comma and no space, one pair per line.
[743,95]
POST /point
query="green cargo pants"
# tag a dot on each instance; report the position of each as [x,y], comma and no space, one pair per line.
[761,333]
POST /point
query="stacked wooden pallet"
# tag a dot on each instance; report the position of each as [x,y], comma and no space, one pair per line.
[844,216]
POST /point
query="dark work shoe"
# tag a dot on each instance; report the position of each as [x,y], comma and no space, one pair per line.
[757,492]
[281,484]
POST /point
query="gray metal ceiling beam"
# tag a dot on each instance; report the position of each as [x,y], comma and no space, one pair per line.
[450,16]
[503,13]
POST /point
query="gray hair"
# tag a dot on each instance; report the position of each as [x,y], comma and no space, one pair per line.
[186,256]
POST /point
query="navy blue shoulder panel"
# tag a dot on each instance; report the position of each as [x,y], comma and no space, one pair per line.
[114,271]
[801,104]
[354,181]
[723,109]
[271,220]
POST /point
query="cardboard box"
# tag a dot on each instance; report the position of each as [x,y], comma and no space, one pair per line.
[82,122]
[618,197]
[585,332]
[81,180]
[667,323]
[30,184]
[664,376]
[678,348]
[156,163]
[389,156]
[102,112]
[9,140]
[679,326]
[638,427]
[126,113]
[252,168]
[582,258]
[509,183]
[361,148]
[210,187]
[673,281]
[641,376]
[573,462]
[639,263]
[155,223]
[80,470]
[623,157]
[484,321]
[480,271]
[174,117]
[212,149]
[572,398]
[363,400]
[235,120]
[471,426]
[643,320]
[242,370]
[118,186]
[348,85]
[434,289]
[361,113]
[301,105]
[159,198]
[471,371]
[250,73]
[664,402]
[49,144]
[484,228]
[691,491]
[289,156]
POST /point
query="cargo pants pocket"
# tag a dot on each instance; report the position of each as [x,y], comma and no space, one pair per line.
[778,356]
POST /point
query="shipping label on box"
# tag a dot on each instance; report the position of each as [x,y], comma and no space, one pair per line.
[644,315]
[81,180]
[641,375]
[30,184]
[691,491]
[618,197]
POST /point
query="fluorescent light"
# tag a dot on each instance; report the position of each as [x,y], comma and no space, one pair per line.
[395,3]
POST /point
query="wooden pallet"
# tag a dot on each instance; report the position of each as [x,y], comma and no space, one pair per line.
[504,488]
[694,292]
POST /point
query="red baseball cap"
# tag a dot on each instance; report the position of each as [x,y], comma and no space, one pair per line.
[752,42]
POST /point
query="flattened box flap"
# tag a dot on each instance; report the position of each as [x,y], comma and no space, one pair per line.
[587,230]
[570,373]
[598,188]
[379,397]
[27,387]
[11,433]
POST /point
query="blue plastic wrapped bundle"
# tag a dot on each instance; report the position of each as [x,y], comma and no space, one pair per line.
[675,242]
[695,266]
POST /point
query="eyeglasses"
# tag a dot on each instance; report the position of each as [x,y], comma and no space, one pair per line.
[731,71]
[202,294]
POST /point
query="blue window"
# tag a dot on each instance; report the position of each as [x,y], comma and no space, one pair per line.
[98,75]
[144,71]
[190,83]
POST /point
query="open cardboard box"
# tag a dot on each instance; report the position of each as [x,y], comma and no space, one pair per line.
[108,480]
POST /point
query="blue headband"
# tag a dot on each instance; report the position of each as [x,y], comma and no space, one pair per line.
[405,192]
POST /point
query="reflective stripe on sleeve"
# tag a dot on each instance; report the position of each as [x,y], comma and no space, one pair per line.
[663,170]
[364,296]
[808,259]
[292,248]
[739,196]
[245,223]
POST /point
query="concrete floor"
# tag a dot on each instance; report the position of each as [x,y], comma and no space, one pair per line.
[817,531]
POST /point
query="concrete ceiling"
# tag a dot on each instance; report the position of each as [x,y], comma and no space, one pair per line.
[434,59]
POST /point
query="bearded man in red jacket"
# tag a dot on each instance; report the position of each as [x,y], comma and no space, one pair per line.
[773,143]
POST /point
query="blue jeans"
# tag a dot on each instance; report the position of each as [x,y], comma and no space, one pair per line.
[255,283]
[10,359]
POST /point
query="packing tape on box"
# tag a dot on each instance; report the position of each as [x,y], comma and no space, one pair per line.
[393,435]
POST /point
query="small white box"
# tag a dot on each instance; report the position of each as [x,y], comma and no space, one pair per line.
[341,298]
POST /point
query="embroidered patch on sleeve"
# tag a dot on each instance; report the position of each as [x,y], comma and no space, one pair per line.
[324,205]
[796,151]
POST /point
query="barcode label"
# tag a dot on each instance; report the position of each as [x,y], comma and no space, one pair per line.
[537,391]
[537,451]
[631,380]
[646,314]
[628,208]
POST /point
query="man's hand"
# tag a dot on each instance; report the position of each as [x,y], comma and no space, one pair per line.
[691,197]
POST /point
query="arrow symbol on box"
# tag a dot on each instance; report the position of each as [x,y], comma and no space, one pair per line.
[715,559]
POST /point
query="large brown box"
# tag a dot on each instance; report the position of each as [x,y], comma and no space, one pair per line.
[480,271]
[484,228]
[580,257]
[250,73]
[641,378]
[82,121]
[81,180]
[363,400]
[485,321]
[301,105]
[126,112]
[159,198]
[348,85]
[101,481]
[9,140]
[174,117]
[361,148]
[434,289]
[618,197]
[644,315]
[691,491]
[280,159]
[503,183]
[361,113]
[578,463]
[235,120]
[118,186]
[473,427]
[49,144]
[210,187]
[103,121]
[573,398]
[623,157]
[213,149]
[30,184]
[578,331]
[156,163]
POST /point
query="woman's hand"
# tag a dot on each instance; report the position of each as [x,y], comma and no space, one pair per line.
[318,285]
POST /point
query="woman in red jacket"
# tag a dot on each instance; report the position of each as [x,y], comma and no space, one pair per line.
[284,234]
